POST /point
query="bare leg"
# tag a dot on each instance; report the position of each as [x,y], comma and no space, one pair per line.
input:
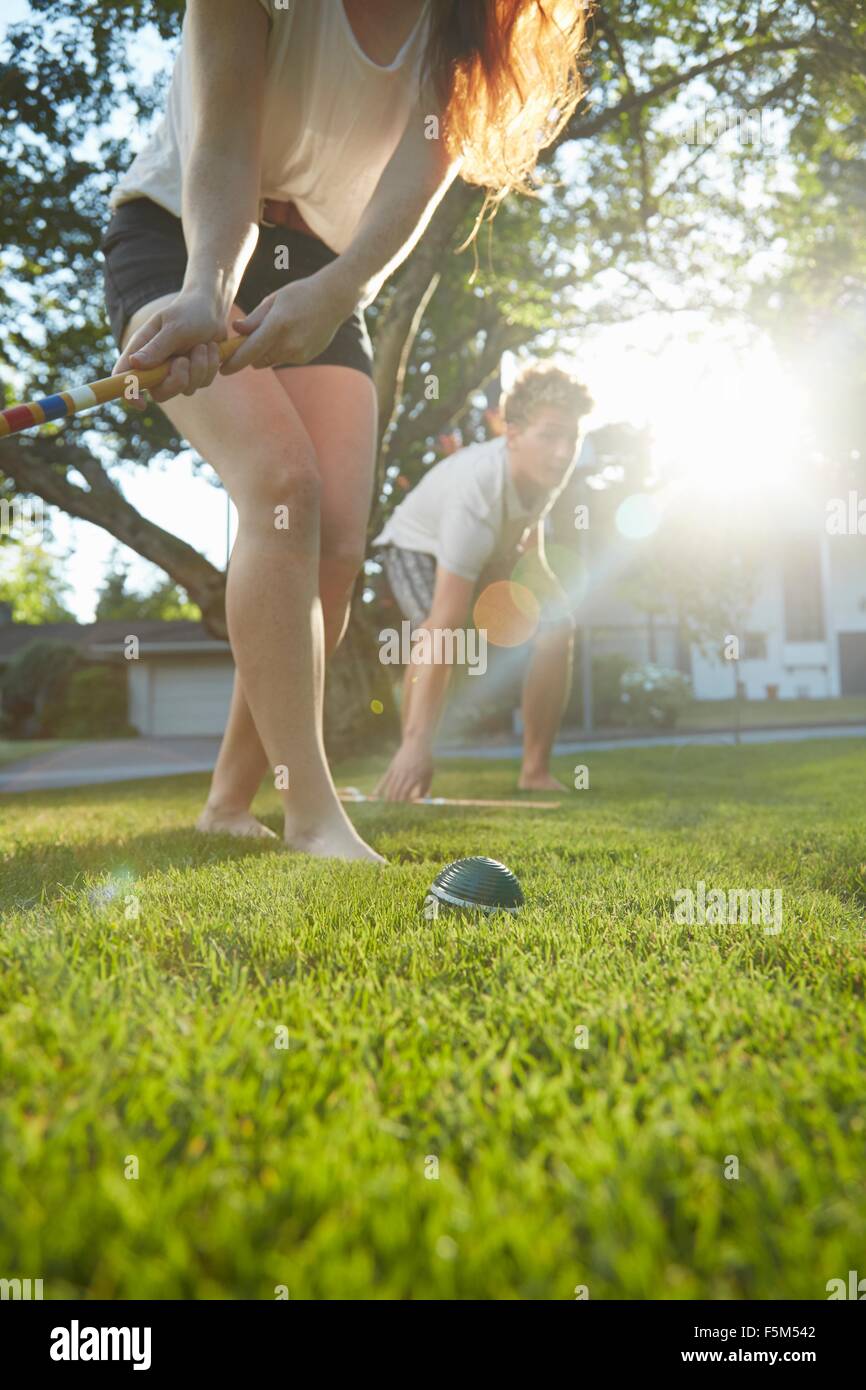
[240,768]
[546,688]
[337,406]
[248,430]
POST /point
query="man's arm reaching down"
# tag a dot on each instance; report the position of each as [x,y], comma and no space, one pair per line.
[410,773]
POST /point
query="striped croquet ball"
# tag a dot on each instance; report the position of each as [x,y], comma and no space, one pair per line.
[478,884]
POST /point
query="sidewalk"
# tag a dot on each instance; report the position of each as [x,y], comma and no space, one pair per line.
[134,759]
[110,760]
[574,743]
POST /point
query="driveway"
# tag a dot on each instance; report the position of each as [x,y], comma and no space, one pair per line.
[128,760]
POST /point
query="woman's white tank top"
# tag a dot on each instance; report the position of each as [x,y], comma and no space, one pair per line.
[332,119]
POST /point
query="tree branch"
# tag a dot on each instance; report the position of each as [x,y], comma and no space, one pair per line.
[442,414]
[396,329]
[583,127]
[38,467]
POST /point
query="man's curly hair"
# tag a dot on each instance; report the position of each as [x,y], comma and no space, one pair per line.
[540,385]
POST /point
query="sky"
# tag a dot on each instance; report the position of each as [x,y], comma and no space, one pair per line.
[660,368]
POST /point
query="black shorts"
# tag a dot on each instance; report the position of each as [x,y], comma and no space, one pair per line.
[145,257]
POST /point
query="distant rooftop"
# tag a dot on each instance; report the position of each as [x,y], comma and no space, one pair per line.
[104,638]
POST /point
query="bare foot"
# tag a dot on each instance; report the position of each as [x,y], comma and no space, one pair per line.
[336,840]
[241,823]
[540,782]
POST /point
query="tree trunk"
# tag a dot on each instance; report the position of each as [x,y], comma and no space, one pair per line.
[400,322]
[356,685]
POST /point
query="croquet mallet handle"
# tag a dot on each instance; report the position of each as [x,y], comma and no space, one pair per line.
[110,388]
[153,376]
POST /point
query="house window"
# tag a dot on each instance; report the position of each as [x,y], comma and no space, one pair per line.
[801,579]
[755,646]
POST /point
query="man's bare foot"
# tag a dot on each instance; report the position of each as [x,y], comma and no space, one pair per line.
[337,839]
[540,782]
[240,823]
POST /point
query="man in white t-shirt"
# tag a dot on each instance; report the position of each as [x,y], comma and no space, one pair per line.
[453,540]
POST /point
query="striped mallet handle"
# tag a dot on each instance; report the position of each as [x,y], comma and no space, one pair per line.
[24,417]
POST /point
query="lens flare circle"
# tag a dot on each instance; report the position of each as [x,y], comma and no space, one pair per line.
[508,612]
[638,516]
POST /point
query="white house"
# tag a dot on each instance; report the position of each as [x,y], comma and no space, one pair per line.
[805,635]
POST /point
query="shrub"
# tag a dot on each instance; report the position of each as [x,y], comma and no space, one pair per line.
[34,682]
[653,695]
[608,670]
[94,705]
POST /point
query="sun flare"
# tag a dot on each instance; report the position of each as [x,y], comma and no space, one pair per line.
[734,425]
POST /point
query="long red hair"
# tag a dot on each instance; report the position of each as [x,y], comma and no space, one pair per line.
[508,77]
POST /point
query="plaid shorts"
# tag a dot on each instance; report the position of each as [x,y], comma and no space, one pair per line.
[411,575]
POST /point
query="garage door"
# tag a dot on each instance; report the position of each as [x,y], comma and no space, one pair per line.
[190,697]
[852,663]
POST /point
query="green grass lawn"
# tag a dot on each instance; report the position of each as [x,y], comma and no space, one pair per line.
[151,1039]
[762,714]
